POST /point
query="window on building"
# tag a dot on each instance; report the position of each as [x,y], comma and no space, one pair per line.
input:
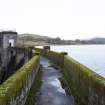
[1,42]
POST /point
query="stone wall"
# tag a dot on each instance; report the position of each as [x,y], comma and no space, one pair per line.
[12,59]
[15,89]
[87,87]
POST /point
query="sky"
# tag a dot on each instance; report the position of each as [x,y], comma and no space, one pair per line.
[68,19]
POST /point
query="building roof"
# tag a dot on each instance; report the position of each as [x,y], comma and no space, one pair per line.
[8,32]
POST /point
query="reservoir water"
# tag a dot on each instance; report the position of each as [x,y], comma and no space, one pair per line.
[92,56]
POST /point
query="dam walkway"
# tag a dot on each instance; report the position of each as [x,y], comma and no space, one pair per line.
[51,91]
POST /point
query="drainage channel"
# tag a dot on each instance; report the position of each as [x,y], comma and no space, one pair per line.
[51,91]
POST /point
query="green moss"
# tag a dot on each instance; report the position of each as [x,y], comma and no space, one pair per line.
[73,89]
[83,81]
[36,53]
[13,85]
[79,78]
[36,84]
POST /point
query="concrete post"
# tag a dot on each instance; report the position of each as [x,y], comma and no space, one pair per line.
[46,47]
[63,55]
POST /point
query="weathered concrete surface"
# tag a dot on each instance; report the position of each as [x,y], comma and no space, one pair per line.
[51,91]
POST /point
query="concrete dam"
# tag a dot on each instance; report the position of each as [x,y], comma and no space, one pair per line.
[52,78]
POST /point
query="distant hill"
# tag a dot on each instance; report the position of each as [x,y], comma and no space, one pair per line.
[98,39]
[33,39]
[92,41]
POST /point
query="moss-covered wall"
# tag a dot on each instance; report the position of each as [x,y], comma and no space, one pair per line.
[54,56]
[87,87]
[15,89]
[32,96]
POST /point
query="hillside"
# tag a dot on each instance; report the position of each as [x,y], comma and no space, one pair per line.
[102,40]
[33,39]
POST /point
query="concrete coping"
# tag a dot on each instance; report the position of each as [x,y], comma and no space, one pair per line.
[46,47]
[64,53]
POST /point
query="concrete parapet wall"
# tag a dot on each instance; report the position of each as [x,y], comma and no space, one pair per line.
[87,87]
[15,89]
[54,56]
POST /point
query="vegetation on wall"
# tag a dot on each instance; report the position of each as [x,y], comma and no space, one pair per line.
[13,86]
[87,86]
[32,93]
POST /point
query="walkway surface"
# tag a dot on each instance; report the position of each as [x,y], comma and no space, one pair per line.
[51,91]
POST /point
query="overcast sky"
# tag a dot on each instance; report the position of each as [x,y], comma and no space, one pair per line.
[68,19]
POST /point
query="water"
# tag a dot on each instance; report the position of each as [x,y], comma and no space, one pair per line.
[92,56]
[51,91]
